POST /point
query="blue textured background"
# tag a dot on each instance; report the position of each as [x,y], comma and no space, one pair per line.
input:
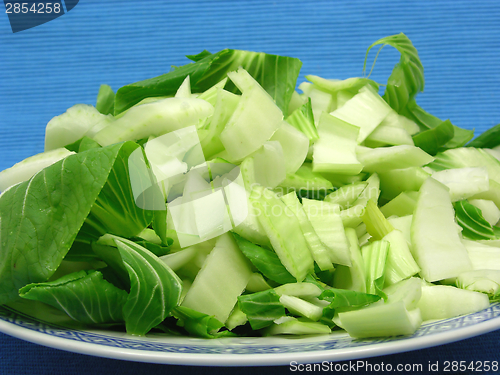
[47,69]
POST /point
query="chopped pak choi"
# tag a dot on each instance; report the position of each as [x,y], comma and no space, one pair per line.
[216,200]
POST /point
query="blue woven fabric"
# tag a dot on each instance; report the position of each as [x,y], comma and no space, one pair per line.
[48,68]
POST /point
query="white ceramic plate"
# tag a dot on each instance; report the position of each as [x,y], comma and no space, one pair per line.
[51,328]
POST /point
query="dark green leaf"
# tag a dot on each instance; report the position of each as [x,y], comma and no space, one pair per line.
[87,144]
[407,77]
[431,140]
[199,324]
[427,121]
[261,308]
[105,102]
[158,250]
[489,139]
[115,210]
[83,144]
[470,218]
[199,56]
[40,218]
[154,288]
[276,74]
[344,300]
[85,296]
[265,261]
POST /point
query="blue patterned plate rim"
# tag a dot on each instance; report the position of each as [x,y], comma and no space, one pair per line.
[241,351]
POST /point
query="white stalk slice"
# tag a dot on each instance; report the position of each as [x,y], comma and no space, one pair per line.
[283,230]
[409,291]
[180,258]
[354,277]
[484,281]
[266,166]
[253,122]
[403,205]
[236,319]
[73,124]
[437,247]
[293,326]
[295,145]
[225,105]
[400,263]
[388,135]
[335,150]
[444,302]
[394,157]
[381,320]
[298,306]
[482,257]
[327,224]
[257,283]
[27,168]
[366,110]
[155,119]
[221,280]
[184,91]
[298,290]
[319,252]
[403,224]
[464,182]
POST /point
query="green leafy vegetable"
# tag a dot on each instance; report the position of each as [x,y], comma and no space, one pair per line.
[265,261]
[344,300]
[489,139]
[407,78]
[105,102]
[154,288]
[474,225]
[261,308]
[432,140]
[199,324]
[40,218]
[85,296]
[276,74]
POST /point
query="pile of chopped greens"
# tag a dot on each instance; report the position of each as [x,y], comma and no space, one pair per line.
[216,200]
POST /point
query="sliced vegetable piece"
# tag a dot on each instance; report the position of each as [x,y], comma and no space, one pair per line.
[85,296]
[73,124]
[318,250]
[394,157]
[375,260]
[354,277]
[452,302]
[436,244]
[366,110]
[295,146]
[302,119]
[221,280]
[155,119]
[254,120]
[327,224]
[391,319]
[261,308]
[283,229]
[335,151]
[464,182]
[265,261]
